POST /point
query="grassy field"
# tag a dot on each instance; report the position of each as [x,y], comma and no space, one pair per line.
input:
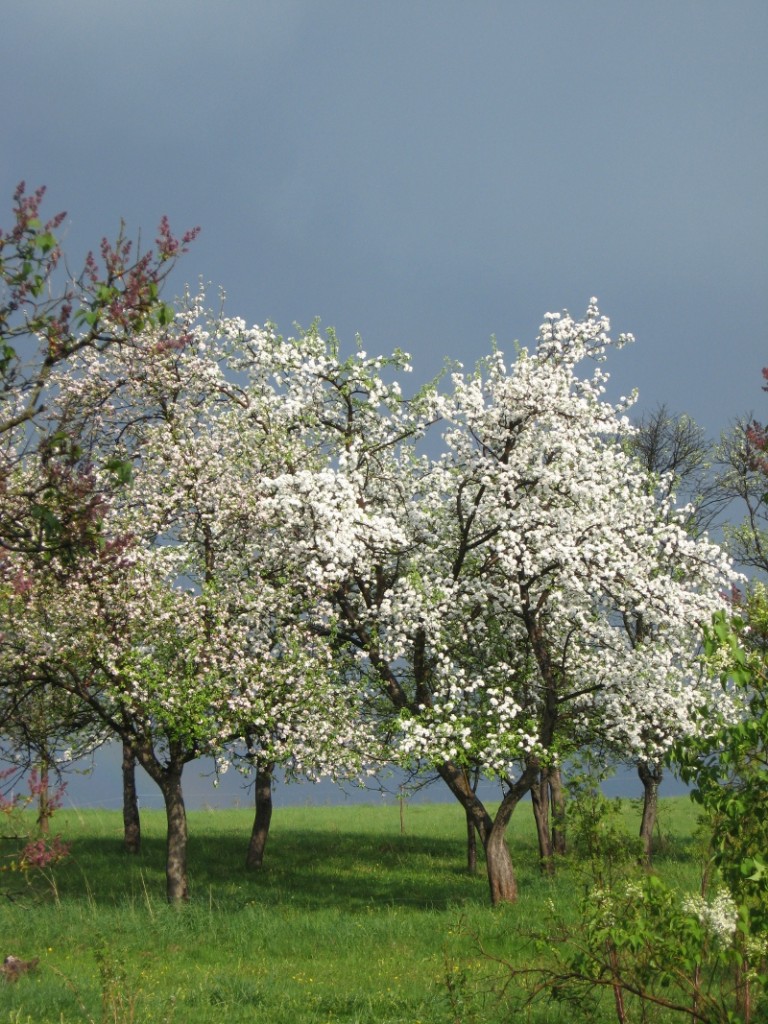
[349,920]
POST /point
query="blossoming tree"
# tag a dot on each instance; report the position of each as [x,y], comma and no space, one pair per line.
[490,611]
[677,457]
[50,501]
[187,632]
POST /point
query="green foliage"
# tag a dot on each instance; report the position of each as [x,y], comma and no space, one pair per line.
[656,955]
[729,768]
[49,501]
[598,839]
[29,855]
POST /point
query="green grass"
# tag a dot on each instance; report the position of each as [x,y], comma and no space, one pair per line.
[348,921]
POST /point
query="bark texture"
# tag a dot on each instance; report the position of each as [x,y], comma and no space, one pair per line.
[263,816]
[44,809]
[131,818]
[471,845]
[474,782]
[176,879]
[558,808]
[650,776]
[540,804]
[548,800]
[167,775]
[492,831]
[501,874]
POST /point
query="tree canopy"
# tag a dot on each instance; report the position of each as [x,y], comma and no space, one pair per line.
[221,542]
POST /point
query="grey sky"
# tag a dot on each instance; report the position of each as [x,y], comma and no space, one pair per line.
[426,174]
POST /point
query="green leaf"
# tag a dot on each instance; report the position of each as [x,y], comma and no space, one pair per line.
[46,242]
[165,315]
[121,469]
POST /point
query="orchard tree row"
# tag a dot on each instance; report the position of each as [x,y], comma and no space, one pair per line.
[216,542]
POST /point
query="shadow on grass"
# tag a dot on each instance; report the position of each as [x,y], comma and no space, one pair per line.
[317,861]
[349,870]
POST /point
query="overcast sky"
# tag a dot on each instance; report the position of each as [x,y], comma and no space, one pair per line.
[426,173]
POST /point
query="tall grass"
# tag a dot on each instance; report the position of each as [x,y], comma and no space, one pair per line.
[349,920]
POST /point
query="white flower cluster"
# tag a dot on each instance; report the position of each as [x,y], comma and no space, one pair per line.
[720,915]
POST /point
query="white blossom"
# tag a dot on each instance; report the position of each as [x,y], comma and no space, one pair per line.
[720,915]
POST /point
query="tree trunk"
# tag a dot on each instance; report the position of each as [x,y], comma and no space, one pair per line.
[473,783]
[548,799]
[650,776]
[131,819]
[44,810]
[471,845]
[501,874]
[540,804]
[177,886]
[167,775]
[557,797]
[492,832]
[260,831]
